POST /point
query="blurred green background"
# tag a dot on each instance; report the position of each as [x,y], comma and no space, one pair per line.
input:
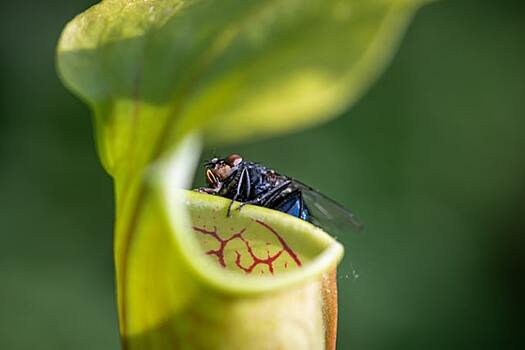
[432,160]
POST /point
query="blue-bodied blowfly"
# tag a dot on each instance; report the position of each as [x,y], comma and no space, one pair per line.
[252,183]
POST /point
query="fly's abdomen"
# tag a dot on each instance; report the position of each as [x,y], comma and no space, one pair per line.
[294,205]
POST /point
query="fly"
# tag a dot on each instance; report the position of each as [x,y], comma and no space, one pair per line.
[252,183]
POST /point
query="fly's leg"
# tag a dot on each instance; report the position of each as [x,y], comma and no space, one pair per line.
[243,189]
[206,190]
[268,196]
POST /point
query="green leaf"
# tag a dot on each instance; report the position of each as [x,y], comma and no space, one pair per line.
[163,76]
[154,70]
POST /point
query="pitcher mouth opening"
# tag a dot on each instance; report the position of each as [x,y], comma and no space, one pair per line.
[255,250]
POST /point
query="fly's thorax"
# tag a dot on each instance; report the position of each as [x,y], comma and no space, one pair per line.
[275,179]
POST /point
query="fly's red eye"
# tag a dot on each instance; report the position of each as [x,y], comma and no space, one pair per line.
[233,160]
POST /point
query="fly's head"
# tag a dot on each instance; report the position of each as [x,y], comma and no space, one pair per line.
[219,169]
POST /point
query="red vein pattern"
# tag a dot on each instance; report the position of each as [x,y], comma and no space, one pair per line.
[256,261]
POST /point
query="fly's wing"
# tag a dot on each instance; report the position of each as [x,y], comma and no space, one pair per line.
[327,213]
